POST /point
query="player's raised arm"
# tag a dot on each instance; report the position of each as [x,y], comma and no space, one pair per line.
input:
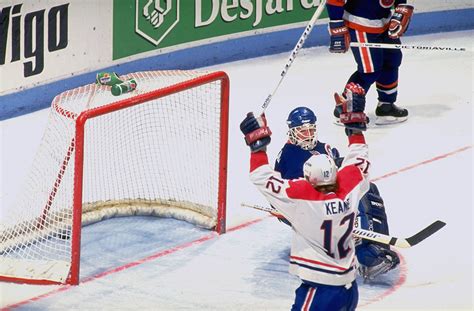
[268,181]
[351,105]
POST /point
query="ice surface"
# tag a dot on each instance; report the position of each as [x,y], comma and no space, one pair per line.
[423,169]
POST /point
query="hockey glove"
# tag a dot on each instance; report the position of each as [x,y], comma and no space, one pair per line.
[351,105]
[400,20]
[257,133]
[340,38]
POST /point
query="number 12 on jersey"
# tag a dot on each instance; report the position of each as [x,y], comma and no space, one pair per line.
[348,223]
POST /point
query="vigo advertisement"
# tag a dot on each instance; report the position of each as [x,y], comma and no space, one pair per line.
[36,37]
[42,41]
[158,24]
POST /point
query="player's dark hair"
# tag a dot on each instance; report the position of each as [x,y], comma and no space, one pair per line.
[327,188]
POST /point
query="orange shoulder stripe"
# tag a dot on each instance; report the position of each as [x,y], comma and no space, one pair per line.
[336,2]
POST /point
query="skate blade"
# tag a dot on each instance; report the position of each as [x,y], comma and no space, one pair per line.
[338,122]
[389,120]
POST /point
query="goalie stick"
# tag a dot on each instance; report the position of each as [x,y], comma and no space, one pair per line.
[295,51]
[375,236]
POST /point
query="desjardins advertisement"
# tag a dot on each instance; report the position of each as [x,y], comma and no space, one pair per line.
[145,25]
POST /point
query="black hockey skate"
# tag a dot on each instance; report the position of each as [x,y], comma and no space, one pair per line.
[389,113]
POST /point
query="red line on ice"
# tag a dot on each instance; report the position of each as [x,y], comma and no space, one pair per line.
[165,252]
[423,162]
[401,280]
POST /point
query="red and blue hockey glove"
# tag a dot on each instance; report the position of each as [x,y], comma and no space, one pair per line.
[351,105]
[340,38]
[400,20]
[257,133]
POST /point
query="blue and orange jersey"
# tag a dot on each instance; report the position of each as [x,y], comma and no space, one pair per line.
[291,158]
[372,16]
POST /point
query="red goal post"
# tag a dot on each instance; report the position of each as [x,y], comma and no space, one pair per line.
[160,150]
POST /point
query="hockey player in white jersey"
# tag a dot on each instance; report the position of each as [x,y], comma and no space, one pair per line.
[374,258]
[321,208]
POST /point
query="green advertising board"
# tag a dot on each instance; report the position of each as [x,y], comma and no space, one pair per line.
[145,25]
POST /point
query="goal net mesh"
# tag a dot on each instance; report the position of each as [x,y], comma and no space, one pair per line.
[159,157]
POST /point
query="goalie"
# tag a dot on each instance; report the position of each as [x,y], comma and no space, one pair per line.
[374,258]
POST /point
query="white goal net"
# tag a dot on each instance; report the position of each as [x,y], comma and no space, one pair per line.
[160,150]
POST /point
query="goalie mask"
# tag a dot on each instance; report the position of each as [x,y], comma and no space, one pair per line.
[320,170]
[302,128]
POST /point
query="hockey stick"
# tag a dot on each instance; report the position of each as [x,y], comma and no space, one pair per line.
[408,47]
[374,236]
[400,242]
[295,51]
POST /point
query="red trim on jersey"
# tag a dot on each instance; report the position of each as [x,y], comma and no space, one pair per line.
[356,139]
[347,178]
[388,86]
[315,262]
[258,159]
[309,299]
[364,53]
[366,28]
[336,2]
[302,190]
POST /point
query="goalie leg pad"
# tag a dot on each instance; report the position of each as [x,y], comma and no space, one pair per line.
[382,266]
[372,214]
[374,258]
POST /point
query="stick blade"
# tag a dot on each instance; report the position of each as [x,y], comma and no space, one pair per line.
[425,233]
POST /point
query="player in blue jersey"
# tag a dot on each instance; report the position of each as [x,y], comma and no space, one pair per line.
[372,21]
[374,258]
[302,144]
